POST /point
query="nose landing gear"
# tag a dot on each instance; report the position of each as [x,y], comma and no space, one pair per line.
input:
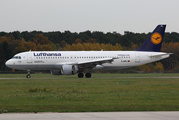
[28,74]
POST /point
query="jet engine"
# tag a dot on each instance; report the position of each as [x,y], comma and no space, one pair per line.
[69,69]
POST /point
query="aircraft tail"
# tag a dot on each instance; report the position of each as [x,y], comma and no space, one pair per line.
[154,42]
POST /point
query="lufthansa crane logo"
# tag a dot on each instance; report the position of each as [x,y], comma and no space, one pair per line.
[156,38]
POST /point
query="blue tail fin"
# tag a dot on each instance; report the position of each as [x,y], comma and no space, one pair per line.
[154,42]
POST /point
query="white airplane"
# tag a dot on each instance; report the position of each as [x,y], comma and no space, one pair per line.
[73,62]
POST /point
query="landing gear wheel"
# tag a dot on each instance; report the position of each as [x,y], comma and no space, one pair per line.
[88,75]
[80,75]
[28,76]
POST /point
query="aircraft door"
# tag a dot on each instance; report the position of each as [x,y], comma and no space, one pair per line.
[137,57]
[29,57]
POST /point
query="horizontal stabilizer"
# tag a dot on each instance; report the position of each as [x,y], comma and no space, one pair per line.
[160,55]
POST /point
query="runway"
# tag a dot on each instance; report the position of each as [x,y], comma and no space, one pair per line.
[92,116]
[91,78]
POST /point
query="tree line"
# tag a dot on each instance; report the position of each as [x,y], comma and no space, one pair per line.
[14,42]
[100,37]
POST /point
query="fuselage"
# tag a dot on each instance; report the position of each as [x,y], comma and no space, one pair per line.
[52,60]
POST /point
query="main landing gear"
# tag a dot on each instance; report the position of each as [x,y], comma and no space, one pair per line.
[81,75]
[28,74]
[88,75]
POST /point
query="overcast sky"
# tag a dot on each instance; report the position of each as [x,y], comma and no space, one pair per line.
[95,15]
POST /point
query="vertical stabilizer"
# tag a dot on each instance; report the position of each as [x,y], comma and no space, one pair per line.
[154,42]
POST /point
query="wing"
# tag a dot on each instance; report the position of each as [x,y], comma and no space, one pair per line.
[93,63]
[90,64]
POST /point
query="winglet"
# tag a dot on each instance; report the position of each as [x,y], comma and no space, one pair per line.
[154,42]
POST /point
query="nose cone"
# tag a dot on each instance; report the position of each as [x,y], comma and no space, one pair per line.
[8,63]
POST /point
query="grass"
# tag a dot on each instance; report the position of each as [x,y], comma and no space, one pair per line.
[102,92]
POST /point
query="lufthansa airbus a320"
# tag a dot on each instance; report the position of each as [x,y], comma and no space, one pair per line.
[80,62]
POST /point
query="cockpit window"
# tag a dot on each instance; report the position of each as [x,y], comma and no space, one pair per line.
[16,57]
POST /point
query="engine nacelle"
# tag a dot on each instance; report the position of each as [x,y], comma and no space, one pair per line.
[69,69]
[55,72]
